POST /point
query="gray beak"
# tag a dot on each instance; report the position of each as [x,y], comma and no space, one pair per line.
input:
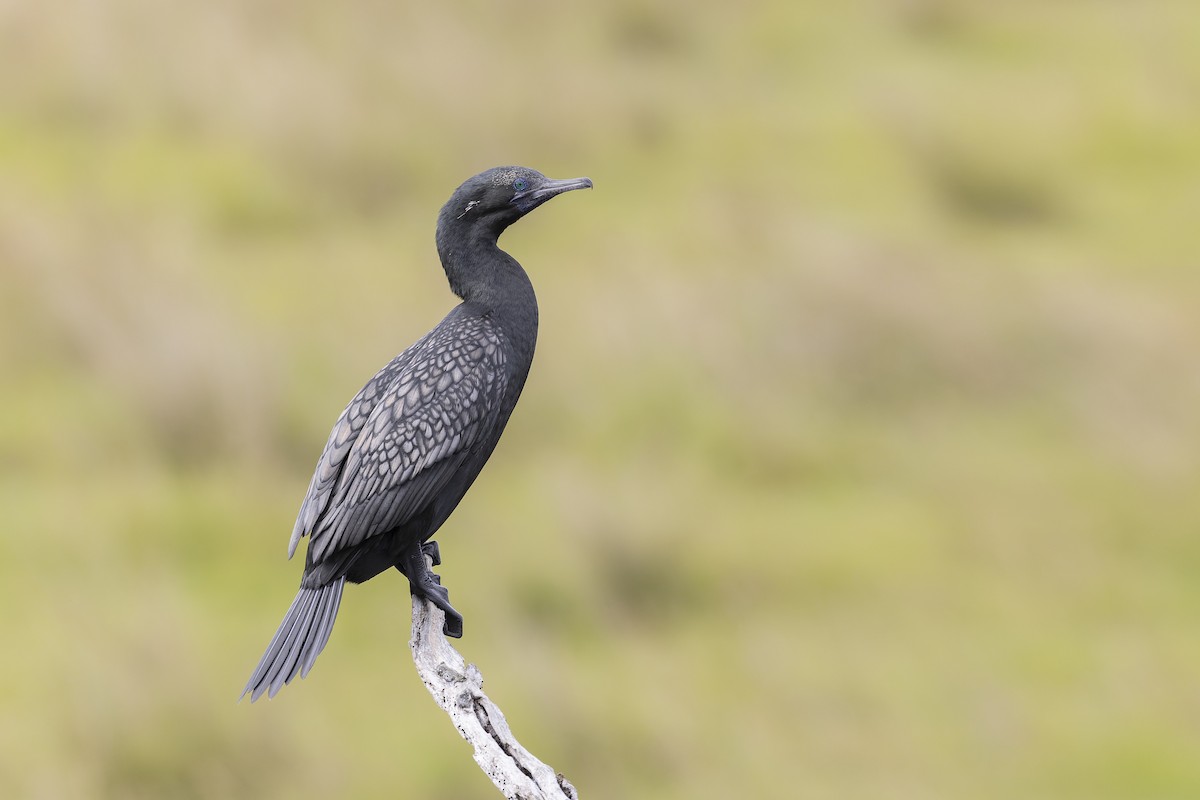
[528,200]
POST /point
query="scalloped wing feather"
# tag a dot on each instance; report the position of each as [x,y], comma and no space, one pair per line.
[410,443]
[345,431]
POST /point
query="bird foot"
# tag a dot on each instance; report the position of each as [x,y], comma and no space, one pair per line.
[440,597]
[424,583]
[431,550]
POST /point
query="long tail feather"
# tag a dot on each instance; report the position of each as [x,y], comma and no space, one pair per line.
[301,636]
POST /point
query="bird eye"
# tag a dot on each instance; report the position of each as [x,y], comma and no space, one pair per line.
[519,184]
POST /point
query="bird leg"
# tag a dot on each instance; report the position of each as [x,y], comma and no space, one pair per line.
[424,583]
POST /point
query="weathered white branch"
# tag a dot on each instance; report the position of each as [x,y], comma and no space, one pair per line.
[457,687]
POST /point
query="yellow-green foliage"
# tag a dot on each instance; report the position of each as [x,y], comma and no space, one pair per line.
[861,457]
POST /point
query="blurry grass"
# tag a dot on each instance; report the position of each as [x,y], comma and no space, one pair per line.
[859,458]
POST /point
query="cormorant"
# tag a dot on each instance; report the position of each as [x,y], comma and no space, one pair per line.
[408,446]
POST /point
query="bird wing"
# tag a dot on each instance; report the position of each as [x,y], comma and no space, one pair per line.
[420,428]
[341,439]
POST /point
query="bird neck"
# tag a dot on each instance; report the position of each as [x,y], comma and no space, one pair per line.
[491,280]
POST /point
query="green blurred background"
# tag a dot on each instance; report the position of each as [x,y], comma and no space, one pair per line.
[860,456]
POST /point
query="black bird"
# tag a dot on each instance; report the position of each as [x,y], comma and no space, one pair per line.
[411,442]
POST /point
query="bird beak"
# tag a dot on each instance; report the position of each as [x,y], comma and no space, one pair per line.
[528,200]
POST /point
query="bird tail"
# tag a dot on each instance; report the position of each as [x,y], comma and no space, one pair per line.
[300,638]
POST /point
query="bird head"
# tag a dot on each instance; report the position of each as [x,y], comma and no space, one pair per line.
[498,197]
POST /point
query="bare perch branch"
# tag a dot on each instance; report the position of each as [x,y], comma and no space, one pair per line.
[457,687]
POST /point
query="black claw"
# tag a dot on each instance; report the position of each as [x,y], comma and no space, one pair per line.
[431,549]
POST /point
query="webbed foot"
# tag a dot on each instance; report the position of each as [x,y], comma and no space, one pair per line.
[435,554]
[423,582]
